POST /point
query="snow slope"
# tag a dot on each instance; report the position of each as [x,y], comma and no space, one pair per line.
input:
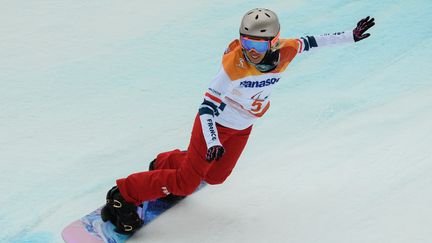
[91,92]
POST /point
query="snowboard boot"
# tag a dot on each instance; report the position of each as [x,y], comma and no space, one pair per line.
[152,165]
[171,198]
[121,214]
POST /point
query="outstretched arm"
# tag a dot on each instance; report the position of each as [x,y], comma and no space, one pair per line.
[358,34]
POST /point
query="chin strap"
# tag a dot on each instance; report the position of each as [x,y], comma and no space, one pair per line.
[268,63]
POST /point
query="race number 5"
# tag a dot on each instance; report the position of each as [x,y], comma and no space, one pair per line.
[258,104]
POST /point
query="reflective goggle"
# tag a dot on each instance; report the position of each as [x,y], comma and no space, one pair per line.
[261,46]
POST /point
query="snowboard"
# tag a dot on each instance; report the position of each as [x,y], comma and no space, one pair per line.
[91,228]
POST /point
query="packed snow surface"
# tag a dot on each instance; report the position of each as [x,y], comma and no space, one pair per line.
[91,91]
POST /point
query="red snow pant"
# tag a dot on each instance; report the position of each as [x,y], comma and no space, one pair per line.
[181,172]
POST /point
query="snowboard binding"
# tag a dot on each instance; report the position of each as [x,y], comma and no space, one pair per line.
[121,214]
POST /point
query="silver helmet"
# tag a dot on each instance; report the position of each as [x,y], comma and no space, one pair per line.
[260,22]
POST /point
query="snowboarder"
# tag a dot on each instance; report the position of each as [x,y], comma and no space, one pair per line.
[236,97]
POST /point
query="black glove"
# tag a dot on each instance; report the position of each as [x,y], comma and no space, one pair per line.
[215,153]
[121,214]
[362,26]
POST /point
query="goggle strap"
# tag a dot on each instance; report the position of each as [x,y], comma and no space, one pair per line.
[275,39]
